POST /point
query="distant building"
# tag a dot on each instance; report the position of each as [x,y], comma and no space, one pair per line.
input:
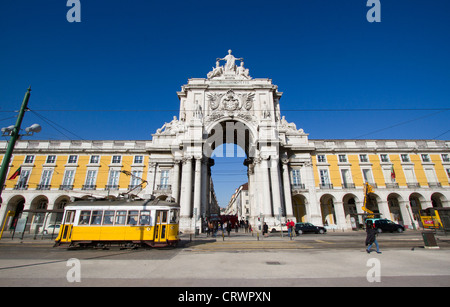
[239,203]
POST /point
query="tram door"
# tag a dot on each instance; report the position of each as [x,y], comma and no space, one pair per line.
[161,225]
[66,230]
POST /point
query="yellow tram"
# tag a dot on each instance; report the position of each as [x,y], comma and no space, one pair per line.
[130,223]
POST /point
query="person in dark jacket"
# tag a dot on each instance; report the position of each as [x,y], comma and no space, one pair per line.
[371,237]
[229,226]
[265,230]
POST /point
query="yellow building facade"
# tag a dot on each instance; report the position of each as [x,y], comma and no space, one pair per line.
[408,176]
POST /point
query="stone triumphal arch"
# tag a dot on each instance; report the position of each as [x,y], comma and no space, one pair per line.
[229,106]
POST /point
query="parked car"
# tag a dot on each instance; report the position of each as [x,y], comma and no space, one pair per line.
[385,225]
[51,229]
[308,228]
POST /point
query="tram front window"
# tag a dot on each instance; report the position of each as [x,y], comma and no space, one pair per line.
[174,216]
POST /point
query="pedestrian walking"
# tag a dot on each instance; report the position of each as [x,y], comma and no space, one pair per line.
[371,237]
[265,230]
[290,225]
[210,228]
[229,226]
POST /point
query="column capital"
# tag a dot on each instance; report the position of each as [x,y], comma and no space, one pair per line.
[186,159]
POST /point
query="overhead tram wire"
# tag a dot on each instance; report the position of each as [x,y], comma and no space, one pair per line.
[403,123]
[284,110]
[48,121]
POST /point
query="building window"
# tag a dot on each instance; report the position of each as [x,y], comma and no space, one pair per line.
[138,159]
[22,183]
[116,159]
[136,179]
[72,159]
[346,179]
[367,175]
[363,158]
[445,158]
[425,158]
[42,205]
[90,180]
[164,182]
[448,172]
[45,180]
[94,159]
[68,179]
[29,159]
[405,158]
[296,180]
[51,159]
[324,179]
[343,158]
[113,179]
[384,158]
[321,158]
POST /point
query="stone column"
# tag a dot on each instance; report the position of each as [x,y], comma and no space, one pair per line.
[383,207]
[186,189]
[265,185]
[275,181]
[341,222]
[255,184]
[287,191]
[204,193]
[314,212]
[198,188]
[406,213]
[176,181]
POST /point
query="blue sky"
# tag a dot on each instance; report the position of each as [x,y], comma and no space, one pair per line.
[134,55]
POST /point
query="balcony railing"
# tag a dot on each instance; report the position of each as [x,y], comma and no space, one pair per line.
[112,187]
[413,185]
[163,189]
[298,186]
[434,184]
[43,187]
[21,187]
[326,186]
[89,187]
[66,187]
[392,185]
[347,185]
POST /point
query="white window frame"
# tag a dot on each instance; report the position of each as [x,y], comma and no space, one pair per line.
[324,176]
[321,158]
[296,177]
[113,177]
[136,178]
[363,158]
[69,177]
[116,159]
[72,159]
[164,179]
[91,178]
[46,177]
[383,160]
[404,157]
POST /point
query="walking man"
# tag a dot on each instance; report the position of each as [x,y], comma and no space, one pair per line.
[371,237]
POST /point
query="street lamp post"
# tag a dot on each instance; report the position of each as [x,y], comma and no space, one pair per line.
[13,131]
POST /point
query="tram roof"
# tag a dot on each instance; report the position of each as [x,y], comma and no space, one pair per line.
[122,202]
